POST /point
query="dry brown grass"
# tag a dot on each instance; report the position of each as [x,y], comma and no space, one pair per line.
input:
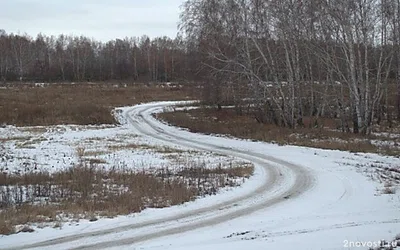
[24,214]
[227,122]
[88,191]
[82,104]
[154,148]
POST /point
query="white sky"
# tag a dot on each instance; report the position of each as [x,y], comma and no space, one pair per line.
[100,19]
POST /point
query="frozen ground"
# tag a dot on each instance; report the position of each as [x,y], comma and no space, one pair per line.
[299,198]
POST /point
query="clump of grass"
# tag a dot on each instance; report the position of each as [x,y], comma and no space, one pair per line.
[389,188]
[6,228]
[157,149]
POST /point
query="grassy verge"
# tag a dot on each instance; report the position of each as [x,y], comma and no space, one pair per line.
[87,191]
[227,122]
[27,105]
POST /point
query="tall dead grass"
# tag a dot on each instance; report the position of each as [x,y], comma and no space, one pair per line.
[227,122]
[82,104]
[87,191]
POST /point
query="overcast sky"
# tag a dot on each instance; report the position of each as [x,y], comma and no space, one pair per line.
[100,19]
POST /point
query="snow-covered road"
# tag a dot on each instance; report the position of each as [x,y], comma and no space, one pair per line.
[299,198]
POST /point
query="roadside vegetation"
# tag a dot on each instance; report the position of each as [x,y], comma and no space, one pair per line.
[87,191]
[326,135]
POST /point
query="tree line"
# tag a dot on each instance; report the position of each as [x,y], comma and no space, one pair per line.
[79,58]
[293,59]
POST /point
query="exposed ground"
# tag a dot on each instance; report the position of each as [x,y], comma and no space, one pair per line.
[81,104]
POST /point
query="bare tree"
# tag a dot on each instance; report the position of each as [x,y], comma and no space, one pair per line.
[277,50]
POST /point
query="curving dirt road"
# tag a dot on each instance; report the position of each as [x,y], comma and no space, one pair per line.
[281,181]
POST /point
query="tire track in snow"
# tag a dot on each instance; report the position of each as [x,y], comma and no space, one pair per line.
[285,180]
[254,235]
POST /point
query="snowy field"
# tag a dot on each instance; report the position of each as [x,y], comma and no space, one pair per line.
[298,198]
[53,148]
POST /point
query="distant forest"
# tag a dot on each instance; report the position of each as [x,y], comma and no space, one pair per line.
[79,58]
